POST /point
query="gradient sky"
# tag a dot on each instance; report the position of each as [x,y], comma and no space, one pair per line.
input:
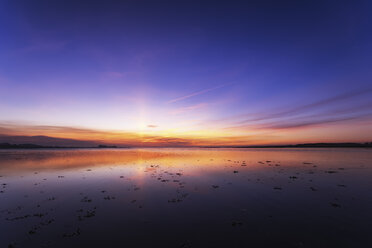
[185,72]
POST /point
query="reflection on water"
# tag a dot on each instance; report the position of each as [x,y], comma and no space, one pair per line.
[186,198]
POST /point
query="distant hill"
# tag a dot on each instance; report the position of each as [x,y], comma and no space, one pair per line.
[307,145]
[46,141]
[33,146]
[367,144]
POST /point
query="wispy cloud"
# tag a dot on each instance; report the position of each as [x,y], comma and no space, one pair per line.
[198,93]
[42,45]
[71,136]
[311,115]
[305,122]
[188,108]
[115,74]
[317,122]
[341,98]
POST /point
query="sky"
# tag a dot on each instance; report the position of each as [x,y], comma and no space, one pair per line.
[185,73]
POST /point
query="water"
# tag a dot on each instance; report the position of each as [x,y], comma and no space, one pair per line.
[186,198]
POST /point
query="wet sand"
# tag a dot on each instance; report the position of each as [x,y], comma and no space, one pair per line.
[285,197]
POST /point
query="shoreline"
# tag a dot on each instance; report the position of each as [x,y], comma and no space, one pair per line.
[7,146]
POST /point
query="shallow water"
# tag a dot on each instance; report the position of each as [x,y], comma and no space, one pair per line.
[186,198]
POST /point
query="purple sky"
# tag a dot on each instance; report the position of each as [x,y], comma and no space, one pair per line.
[263,72]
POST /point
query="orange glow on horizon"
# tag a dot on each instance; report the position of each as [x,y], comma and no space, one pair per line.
[202,137]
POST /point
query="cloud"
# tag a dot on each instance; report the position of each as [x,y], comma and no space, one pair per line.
[315,122]
[152,126]
[60,135]
[71,136]
[41,45]
[188,108]
[197,93]
[115,74]
[342,98]
[352,113]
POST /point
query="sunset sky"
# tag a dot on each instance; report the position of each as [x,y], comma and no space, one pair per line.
[163,73]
